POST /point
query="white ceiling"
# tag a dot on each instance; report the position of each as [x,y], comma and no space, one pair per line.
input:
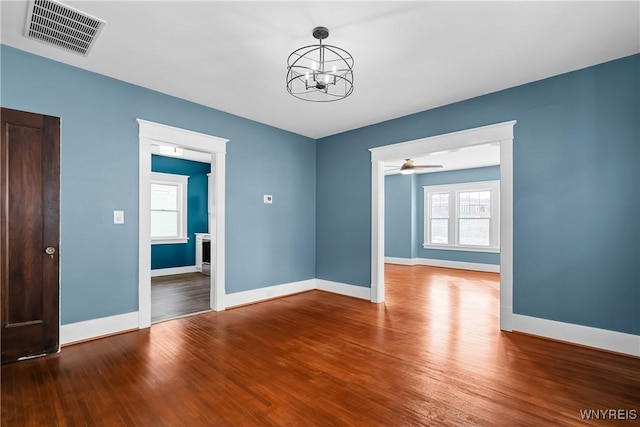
[409,56]
[475,156]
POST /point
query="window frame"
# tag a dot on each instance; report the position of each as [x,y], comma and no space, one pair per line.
[181,182]
[454,191]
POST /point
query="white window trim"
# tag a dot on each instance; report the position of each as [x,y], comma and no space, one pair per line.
[182,182]
[453,190]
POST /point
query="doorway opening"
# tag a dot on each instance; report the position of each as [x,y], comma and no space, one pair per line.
[501,134]
[154,134]
[180,232]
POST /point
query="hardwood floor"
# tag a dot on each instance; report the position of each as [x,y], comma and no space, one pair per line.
[431,355]
[179,294]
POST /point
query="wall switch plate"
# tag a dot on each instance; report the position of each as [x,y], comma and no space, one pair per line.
[268,199]
[118,217]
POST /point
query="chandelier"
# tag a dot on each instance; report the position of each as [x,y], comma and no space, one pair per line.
[320,73]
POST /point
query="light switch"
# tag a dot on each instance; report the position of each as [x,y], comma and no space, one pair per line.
[268,199]
[118,217]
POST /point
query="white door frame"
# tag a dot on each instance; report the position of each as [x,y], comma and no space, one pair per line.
[498,133]
[150,132]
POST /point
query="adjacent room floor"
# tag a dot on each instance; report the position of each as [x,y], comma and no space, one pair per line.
[179,295]
[431,355]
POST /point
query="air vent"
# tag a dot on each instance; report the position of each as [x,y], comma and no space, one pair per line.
[59,25]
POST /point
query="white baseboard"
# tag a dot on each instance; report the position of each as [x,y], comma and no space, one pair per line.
[343,289]
[475,266]
[261,294]
[603,339]
[460,265]
[401,261]
[618,342]
[173,270]
[95,328]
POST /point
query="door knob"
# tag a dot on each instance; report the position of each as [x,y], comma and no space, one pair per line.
[50,251]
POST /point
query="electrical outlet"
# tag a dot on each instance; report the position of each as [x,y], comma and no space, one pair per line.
[268,199]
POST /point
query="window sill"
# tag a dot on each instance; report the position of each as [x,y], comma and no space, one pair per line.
[462,248]
[169,241]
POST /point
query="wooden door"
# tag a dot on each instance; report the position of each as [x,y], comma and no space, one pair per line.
[30,222]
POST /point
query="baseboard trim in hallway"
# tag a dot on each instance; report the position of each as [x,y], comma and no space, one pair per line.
[458,265]
[174,270]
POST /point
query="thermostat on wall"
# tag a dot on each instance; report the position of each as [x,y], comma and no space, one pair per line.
[268,199]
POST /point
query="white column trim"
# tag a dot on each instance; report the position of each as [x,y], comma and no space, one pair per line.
[377,231]
[217,224]
[148,134]
[506,233]
[144,232]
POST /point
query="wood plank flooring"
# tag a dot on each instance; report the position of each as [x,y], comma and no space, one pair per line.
[432,355]
[179,294]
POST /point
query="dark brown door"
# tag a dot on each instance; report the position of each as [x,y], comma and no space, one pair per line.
[30,215]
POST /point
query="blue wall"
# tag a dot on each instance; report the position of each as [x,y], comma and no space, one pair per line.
[184,254]
[452,177]
[576,147]
[399,213]
[404,214]
[265,244]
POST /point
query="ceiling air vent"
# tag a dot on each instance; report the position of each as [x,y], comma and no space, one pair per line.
[54,23]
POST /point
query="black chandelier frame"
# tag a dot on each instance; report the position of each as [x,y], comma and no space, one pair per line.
[329,80]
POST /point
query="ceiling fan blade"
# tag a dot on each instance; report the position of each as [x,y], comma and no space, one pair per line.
[426,166]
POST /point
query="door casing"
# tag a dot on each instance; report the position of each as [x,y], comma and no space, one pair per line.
[501,133]
[150,133]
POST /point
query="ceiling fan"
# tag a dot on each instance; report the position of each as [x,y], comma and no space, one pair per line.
[408,167]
